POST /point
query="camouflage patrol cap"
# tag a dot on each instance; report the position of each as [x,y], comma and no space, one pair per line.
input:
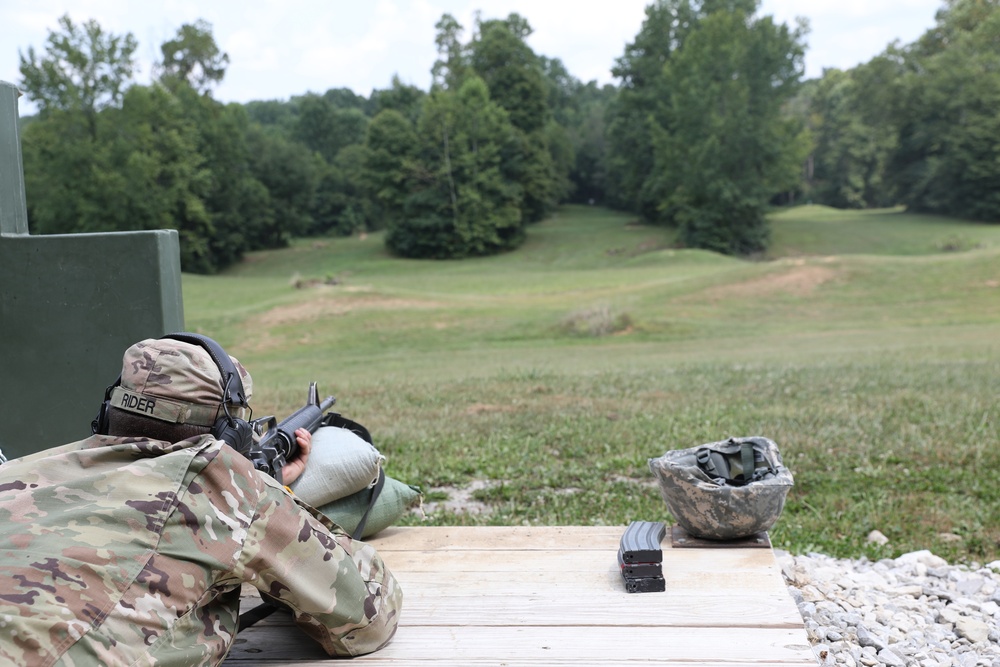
[175,381]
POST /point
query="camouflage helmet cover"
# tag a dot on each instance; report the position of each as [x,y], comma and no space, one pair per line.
[175,381]
[706,506]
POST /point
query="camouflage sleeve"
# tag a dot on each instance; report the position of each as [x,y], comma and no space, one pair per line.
[338,589]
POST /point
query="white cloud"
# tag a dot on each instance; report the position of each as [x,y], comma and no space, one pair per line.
[279,49]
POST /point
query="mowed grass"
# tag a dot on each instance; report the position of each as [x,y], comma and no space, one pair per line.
[821,230]
[547,377]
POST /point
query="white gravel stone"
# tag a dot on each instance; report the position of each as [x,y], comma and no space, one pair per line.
[971,629]
[913,610]
[891,658]
[877,537]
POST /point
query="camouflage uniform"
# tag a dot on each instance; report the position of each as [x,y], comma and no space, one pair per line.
[124,550]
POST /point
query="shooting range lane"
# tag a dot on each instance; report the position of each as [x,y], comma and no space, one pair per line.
[554,595]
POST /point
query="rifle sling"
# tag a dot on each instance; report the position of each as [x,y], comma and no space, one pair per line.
[258,613]
[339,421]
[376,490]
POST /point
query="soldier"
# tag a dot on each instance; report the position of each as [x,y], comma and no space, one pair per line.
[132,547]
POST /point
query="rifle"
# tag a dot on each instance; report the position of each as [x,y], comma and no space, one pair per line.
[276,445]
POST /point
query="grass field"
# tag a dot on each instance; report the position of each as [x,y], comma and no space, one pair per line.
[538,383]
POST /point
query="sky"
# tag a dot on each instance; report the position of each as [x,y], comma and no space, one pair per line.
[283,48]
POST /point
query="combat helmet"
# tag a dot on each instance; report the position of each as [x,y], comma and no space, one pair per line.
[724,490]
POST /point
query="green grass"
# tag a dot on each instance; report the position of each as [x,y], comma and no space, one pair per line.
[865,348]
[821,230]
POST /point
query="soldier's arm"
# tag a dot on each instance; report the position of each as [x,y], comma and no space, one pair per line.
[338,589]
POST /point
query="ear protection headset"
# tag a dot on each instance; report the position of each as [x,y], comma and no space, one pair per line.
[237,433]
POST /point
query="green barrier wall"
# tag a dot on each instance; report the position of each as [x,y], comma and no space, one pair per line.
[69,306]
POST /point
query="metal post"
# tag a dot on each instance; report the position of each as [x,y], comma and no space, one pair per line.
[13,211]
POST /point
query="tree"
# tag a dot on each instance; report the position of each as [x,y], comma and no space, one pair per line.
[561,89]
[407,100]
[342,204]
[345,98]
[499,55]
[446,188]
[512,72]
[576,133]
[392,148]
[589,135]
[83,70]
[326,129]
[194,57]
[722,146]
[272,113]
[290,172]
[451,67]
[918,124]
[698,136]
[236,202]
[60,159]
[630,146]
[144,171]
[161,181]
[168,156]
[851,152]
[948,155]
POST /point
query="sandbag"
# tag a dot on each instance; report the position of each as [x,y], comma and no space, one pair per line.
[394,500]
[340,464]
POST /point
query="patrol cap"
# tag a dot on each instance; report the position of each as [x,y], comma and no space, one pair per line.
[175,381]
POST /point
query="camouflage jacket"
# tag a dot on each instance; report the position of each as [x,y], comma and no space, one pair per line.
[125,551]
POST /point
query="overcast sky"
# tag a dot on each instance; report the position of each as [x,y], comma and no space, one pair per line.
[281,48]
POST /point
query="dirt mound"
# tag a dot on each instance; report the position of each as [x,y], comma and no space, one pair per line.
[314,309]
[798,280]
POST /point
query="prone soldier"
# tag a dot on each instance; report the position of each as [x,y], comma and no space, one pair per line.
[131,546]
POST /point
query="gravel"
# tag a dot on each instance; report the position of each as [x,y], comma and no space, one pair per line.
[913,610]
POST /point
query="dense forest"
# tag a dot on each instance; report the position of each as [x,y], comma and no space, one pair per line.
[710,124]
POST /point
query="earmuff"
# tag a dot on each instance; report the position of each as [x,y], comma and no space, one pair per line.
[236,432]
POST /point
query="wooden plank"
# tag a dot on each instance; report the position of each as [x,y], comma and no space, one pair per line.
[705,564]
[669,611]
[527,596]
[636,609]
[513,584]
[235,659]
[505,538]
[553,645]
[484,559]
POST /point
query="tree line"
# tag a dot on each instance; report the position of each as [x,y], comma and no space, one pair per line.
[918,125]
[709,125]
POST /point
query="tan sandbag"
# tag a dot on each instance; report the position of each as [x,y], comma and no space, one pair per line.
[393,501]
[340,464]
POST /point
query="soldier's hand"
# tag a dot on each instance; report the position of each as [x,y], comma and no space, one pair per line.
[294,468]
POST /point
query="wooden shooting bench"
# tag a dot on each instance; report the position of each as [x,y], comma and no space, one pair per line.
[555,596]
